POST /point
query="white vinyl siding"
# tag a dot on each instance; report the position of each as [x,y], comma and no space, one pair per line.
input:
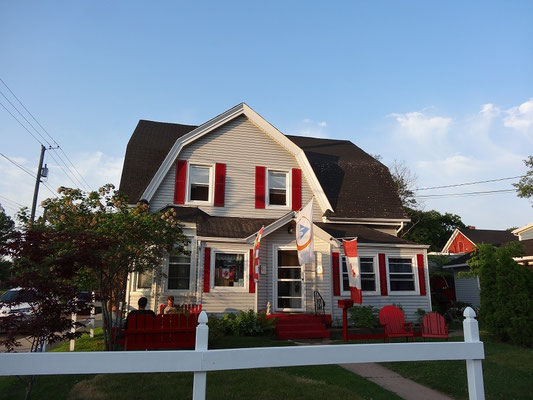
[241,146]
[467,290]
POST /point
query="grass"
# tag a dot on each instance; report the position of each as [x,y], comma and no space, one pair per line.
[329,381]
[507,372]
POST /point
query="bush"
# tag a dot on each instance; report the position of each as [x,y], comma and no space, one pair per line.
[420,315]
[506,293]
[247,323]
[364,317]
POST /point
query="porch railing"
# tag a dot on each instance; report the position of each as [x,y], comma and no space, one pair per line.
[320,305]
[200,361]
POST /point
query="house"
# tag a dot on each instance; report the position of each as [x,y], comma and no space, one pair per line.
[461,244]
[236,173]
[525,236]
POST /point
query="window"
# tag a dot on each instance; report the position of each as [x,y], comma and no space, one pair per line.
[229,270]
[199,179]
[368,275]
[179,269]
[401,275]
[277,188]
[144,280]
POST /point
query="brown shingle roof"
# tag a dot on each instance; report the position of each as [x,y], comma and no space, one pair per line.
[488,236]
[363,233]
[148,146]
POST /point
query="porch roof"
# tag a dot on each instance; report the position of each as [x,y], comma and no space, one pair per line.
[363,233]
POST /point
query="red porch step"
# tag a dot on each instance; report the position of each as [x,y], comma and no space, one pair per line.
[300,326]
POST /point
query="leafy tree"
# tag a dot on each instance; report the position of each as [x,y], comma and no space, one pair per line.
[431,227]
[7,227]
[524,187]
[130,239]
[506,292]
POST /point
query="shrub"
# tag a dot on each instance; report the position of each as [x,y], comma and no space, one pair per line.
[420,315]
[364,316]
[247,323]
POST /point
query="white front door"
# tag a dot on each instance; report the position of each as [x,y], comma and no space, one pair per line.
[288,281]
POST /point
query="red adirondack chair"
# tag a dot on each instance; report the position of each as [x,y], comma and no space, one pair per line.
[434,326]
[394,324]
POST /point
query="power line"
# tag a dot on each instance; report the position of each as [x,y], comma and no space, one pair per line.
[465,194]
[11,201]
[45,131]
[470,183]
[21,124]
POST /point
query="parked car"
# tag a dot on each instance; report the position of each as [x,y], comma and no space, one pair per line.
[18,302]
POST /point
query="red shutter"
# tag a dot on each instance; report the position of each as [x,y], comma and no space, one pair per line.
[260,187]
[181,180]
[336,277]
[296,189]
[220,184]
[382,274]
[251,285]
[207,269]
[421,275]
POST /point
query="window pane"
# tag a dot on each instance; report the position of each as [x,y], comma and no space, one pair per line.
[289,303]
[402,285]
[289,273]
[277,197]
[400,265]
[288,258]
[199,192]
[368,283]
[229,270]
[277,180]
[145,280]
[199,175]
[366,264]
[290,289]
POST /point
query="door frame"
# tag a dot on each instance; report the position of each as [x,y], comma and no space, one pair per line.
[275,249]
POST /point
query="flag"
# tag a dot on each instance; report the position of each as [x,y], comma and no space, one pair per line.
[354,274]
[257,242]
[304,234]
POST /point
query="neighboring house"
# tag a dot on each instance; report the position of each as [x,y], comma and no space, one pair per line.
[525,236]
[230,176]
[461,244]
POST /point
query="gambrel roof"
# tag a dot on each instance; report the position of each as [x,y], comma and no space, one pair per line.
[347,181]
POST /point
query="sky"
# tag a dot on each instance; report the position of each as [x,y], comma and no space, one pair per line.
[444,87]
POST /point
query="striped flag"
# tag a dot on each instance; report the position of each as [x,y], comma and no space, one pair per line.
[354,274]
[257,242]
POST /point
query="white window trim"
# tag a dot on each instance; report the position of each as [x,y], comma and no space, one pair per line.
[288,191]
[414,265]
[211,167]
[374,258]
[192,275]
[246,261]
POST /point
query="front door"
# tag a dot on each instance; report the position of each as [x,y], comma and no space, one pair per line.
[289,281]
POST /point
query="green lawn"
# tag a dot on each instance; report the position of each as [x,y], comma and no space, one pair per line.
[507,372]
[314,382]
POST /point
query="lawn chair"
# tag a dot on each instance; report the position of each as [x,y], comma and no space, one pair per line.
[394,324]
[434,326]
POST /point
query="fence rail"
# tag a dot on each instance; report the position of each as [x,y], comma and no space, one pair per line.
[202,360]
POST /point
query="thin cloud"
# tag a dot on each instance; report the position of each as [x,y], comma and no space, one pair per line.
[311,128]
[520,117]
[421,127]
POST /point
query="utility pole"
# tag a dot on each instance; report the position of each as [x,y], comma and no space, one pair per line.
[37,182]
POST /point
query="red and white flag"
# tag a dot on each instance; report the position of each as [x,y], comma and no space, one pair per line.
[257,242]
[354,274]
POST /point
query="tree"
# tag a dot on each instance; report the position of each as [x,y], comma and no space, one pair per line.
[506,292]
[431,227]
[405,181]
[524,187]
[7,227]
[122,239]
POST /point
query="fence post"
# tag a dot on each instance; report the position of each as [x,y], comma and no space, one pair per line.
[474,371]
[91,319]
[200,378]
[74,318]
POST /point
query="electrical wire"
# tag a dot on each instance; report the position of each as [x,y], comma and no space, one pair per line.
[470,183]
[29,173]
[465,194]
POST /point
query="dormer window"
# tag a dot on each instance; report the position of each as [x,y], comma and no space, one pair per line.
[277,188]
[199,182]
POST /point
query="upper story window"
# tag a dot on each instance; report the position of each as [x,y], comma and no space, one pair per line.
[368,274]
[401,275]
[277,188]
[199,182]
[179,269]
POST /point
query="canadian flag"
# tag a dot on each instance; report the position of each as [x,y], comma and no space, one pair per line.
[354,275]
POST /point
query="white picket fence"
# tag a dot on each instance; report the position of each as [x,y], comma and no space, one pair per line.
[201,360]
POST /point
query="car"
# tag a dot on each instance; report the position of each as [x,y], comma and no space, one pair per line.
[17,302]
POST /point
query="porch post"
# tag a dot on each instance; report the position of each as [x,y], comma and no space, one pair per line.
[200,378]
[474,371]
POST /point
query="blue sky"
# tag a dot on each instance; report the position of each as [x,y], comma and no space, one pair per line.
[445,87]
